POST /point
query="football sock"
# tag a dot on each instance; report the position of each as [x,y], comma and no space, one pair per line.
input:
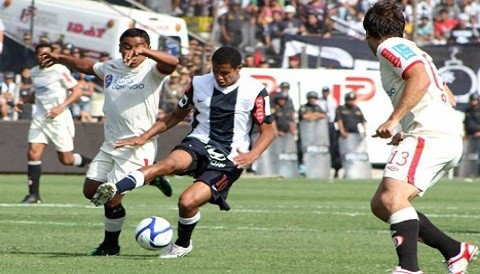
[404,226]
[185,229]
[114,219]
[80,160]
[33,174]
[133,180]
[434,237]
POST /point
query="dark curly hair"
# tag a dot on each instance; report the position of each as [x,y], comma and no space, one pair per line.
[384,19]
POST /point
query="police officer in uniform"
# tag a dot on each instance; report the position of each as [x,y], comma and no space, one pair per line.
[349,116]
[472,117]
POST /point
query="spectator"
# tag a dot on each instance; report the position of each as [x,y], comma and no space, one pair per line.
[171,92]
[425,33]
[291,24]
[8,92]
[294,62]
[266,15]
[25,95]
[463,32]
[315,27]
[472,118]
[248,61]
[329,106]
[81,109]
[232,23]
[249,30]
[443,24]
[273,33]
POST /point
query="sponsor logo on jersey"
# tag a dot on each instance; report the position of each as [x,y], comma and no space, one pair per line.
[404,51]
[108,80]
[391,92]
[392,58]
[260,109]
[124,83]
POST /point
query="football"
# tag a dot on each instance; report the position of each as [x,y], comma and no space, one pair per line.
[153,233]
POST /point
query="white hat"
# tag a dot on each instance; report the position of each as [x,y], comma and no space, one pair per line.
[289,9]
[463,17]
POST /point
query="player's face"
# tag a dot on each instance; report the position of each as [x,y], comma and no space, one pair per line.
[130,43]
[40,51]
[225,74]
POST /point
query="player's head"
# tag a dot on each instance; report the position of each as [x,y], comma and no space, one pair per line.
[135,32]
[42,48]
[226,65]
[134,38]
[383,20]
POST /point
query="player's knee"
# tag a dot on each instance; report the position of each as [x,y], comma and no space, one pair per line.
[89,188]
[186,204]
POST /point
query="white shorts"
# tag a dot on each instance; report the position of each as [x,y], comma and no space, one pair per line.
[111,165]
[59,133]
[422,161]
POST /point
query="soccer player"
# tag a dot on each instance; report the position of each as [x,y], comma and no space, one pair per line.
[215,153]
[131,86]
[429,144]
[54,90]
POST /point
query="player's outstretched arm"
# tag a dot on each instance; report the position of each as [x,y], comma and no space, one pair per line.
[170,120]
[83,65]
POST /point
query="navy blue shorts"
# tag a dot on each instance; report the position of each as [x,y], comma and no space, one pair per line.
[212,167]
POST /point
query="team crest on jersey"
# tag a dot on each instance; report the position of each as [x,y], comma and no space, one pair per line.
[392,58]
[108,80]
[404,51]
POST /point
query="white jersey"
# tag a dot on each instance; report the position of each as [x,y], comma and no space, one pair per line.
[224,117]
[51,86]
[131,97]
[434,113]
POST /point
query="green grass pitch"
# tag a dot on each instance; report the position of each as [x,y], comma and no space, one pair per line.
[274,226]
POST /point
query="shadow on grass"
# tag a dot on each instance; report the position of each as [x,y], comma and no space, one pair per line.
[73,254]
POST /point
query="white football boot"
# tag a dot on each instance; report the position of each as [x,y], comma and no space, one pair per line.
[105,192]
[459,263]
[175,251]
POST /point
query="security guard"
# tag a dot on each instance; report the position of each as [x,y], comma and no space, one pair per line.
[472,117]
[349,116]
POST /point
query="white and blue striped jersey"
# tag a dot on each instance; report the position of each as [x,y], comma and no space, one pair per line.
[224,117]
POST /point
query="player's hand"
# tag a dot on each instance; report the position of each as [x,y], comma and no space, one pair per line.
[385,130]
[18,107]
[243,159]
[133,141]
[131,55]
[54,112]
[47,59]
[396,139]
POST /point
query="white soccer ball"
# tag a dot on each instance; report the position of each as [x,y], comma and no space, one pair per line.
[153,233]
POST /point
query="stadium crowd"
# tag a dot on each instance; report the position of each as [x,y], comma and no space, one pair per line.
[256,28]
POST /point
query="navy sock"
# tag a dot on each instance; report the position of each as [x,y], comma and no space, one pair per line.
[126,184]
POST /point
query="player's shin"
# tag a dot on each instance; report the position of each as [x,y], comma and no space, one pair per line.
[404,226]
[133,180]
[185,229]
[434,237]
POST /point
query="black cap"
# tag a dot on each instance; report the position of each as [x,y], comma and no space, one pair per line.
[284,85]
[9,74]
[474,96]
[325,89]
[312,94]
[350,96]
